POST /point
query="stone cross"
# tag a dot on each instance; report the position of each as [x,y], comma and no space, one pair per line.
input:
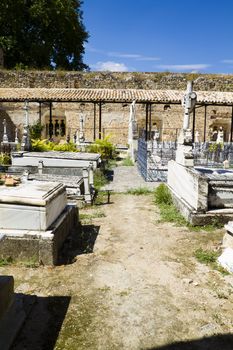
[25,144]
[5,137]
[81,128]
[16,136]
[189,102]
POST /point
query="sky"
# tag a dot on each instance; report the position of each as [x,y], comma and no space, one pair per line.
[159,35]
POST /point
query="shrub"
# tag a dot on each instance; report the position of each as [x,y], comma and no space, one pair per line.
[5,158]
[45,145]
[65,147]
[39,145]
[35,130]
[163,195]
[104,147]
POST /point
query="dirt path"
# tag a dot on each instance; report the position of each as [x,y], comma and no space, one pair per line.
[140,288]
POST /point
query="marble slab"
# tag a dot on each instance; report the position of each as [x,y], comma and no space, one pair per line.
[31,206]
[189,185]
[55,159]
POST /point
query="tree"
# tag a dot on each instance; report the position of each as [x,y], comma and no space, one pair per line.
[42,34]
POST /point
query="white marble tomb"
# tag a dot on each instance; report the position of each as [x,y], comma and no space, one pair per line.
[31,205]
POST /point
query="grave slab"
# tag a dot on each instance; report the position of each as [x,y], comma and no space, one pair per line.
[55,159]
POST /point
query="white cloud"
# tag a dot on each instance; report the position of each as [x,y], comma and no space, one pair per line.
[110,66]
[227,61]
[184,67]
[135,56]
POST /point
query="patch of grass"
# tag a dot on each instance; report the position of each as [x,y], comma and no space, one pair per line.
[169,213]
[127,162]
[100,179]
[206,256]
[139,191]
[6,261]
[94,215]
[29,263]
[209,258]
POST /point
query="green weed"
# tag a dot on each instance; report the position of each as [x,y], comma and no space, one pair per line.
[163,195]
[169,213]
[127,162]
[100,179]
[6,261]
[209,258]
[139,191]
[94,215]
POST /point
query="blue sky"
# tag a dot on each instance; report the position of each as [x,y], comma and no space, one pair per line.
[159,35]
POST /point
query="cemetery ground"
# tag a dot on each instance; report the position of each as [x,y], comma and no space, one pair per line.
[128,281]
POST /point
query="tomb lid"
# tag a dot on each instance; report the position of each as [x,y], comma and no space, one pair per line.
[35,193]
[59,155]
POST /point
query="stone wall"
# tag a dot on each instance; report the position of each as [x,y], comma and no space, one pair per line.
[113,80]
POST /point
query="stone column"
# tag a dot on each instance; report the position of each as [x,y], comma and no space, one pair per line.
[87,193]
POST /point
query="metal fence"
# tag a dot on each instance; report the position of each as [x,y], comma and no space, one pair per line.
[153,157]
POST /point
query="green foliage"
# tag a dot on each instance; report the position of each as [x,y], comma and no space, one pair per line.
[214,147]
[163,195]
[39,145]
[139,191]
[35,130]
[104,147]
[205,256]
[127,162]
[40,33]
[6,261]
[5,158]
[100,179]
[65,147]
[45,145]
[209,257]
[169,213]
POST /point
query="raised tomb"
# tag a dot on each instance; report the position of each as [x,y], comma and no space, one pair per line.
[203,194]
[35,219]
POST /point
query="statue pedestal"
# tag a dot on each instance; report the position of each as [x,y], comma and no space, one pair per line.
[184,155]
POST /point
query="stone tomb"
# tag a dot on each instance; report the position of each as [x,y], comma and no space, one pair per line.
[55,159]
[203,195]
[34,221]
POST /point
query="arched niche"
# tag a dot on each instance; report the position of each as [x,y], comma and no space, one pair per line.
[58,127]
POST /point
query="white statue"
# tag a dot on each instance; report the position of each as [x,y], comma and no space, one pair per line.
[220,137]
[196,137]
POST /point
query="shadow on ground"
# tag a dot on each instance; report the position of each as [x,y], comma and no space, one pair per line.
[81,241]
[43,324]
[216,342]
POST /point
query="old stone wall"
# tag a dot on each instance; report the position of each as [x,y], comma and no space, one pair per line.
[113,80]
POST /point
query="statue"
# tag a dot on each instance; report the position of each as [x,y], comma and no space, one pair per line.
[5,137]
[81,128]
[188,103]
[196,137]
[220,136]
